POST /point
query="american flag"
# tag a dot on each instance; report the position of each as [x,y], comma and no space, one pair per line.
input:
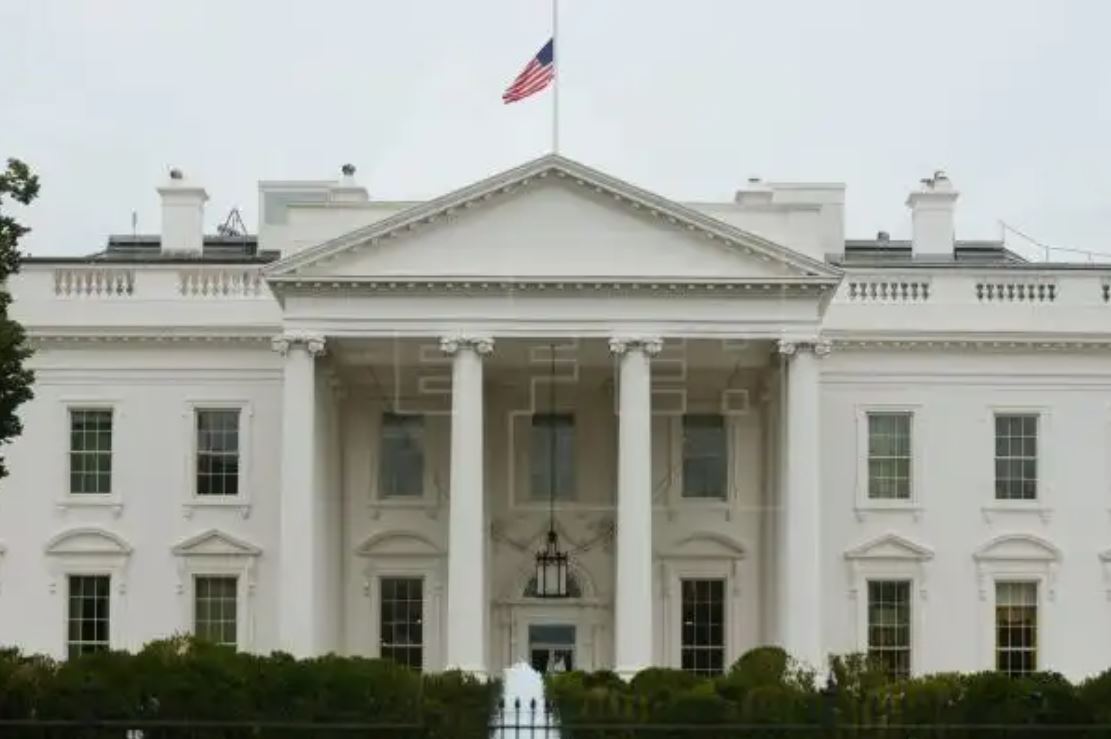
[536,75]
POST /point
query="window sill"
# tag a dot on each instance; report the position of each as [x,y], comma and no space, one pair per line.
[1021,507]
[110,502]
[424,503]
[232,502]
[879,508]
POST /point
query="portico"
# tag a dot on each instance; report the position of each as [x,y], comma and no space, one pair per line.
[454,313]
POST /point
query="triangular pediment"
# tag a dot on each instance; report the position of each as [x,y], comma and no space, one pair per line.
[551,219]
[215,543]
[1018,548]
[88,541]
[890,547]
[398,543]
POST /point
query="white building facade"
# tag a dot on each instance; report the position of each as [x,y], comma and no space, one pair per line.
[353,434]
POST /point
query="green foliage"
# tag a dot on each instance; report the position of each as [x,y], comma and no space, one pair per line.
[21,185]
[767,688]
[182,678]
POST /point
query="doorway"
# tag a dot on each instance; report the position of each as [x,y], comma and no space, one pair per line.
[551,647]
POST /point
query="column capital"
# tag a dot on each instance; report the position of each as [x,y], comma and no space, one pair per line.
[819,347]
[311,343]
[480,345]
[650,345]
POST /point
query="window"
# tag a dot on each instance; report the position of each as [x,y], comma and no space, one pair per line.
[215,609]
[889,625]
[90,451]
[553,443]
[1016,627]
[402,620]
[401,457]
[704,456]
[889,456]
[703,620]
[218,452]
[1016,456]
[88,614]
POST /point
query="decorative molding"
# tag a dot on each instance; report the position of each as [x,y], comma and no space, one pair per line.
[650,345]
[789,347]
[1018,556]
[39,336]
[86,541]
[94,282]
[890,546]
[398,543]
[313,344]
[480,345]
[963,342]
[657,287]
[221,282]
[526,175]
[214,542]
[705,545]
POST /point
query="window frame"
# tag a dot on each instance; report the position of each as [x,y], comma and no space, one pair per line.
[728,565]
[380,602]
[74,409]
[400,553]
[112,606]
[1016,558]
[573,494]
[242,499]
[1041,505]
[380,495]
[1039,618]
[725,624]
[911,615]
[726,460]
[865,503]
[112,500]
[193,594]
[213,553]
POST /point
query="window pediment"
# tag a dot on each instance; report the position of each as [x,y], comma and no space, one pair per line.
[1018,548]
[88,541]
[399,544]
[215,543]
[890,547]
[706,545]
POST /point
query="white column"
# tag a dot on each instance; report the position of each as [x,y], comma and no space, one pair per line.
[800,597]
[467,604]
[301,587]
[633,605]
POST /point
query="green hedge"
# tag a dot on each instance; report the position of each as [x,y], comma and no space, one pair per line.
[180,678]
[766,688]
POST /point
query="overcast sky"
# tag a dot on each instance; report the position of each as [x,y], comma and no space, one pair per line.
[684,97]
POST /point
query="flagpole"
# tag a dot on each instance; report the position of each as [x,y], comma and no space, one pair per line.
[555,76]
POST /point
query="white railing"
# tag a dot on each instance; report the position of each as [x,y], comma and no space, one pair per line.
[888,290]
[1015,290]
[95,282]
[220,283]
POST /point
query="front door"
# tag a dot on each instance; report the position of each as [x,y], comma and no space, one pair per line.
[551,647]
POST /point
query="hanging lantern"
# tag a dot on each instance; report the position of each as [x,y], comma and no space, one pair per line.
[551,569]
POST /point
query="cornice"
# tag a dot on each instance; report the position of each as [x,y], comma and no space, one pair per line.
[801,286]
[116,335]
[555,166]
[974,342]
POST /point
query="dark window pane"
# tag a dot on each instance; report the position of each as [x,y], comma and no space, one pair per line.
[401,620]
[401,456]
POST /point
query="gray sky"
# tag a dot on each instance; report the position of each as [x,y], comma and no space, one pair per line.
[685,97]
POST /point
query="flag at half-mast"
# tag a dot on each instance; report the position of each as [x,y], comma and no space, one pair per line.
[537,74]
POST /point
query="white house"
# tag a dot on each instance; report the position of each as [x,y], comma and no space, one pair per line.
[354,433]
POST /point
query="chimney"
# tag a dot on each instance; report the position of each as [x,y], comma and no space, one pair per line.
[755,193]
[347,190]
[932,208]
[182,215]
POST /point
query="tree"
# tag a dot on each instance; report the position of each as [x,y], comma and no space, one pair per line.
[22,186]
